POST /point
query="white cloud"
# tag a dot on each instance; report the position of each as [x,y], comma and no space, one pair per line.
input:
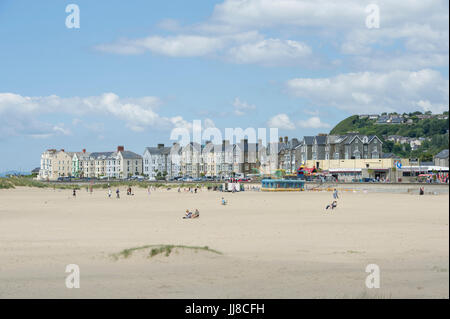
[190,45]
[270,52]
[313,122]
[326,13]
[245,47]
[265,13]
[418,29]
[241,107]
[208,123]
[60,129]
[281,121]
[137,113]
[375,92]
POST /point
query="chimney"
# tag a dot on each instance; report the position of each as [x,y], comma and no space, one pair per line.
[160,146]
[286,139]
[281,140]
[84,150]
[120,148]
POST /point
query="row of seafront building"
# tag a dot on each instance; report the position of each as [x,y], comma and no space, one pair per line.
[347,156]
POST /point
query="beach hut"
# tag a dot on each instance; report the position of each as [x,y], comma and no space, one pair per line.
[282,185]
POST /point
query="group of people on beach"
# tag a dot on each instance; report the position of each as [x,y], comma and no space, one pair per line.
[110,193]
[190,215]
[333,204]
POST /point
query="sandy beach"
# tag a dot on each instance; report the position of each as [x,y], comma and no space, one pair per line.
[272,245]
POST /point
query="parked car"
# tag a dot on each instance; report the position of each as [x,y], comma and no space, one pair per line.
[137,178]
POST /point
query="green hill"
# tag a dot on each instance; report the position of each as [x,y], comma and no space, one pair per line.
[434,129]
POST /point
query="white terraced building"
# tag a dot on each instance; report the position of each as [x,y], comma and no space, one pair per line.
[162,161]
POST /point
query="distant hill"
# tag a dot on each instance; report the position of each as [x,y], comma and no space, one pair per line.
[435,130]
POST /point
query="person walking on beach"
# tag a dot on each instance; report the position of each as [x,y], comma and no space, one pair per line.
[117,193]
[335,194]
[74,193]
[149,190]
[109,193]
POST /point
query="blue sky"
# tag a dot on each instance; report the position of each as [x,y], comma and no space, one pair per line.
[134,71]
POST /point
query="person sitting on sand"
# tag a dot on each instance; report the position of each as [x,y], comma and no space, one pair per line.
[333,205]
[224,202]
[188,214]
[196,214]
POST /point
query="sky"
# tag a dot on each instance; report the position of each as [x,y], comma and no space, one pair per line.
[135,70]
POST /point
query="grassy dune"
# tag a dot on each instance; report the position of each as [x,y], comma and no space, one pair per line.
[12,182]
[160,249]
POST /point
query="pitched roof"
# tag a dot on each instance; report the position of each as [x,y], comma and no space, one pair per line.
[442,154]
[321,139]
[101,155]
[130,155]
[82,155]
[154,150]
[336,139]
[309,140]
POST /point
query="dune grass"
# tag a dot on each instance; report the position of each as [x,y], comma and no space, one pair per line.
[24,181]
[155,250]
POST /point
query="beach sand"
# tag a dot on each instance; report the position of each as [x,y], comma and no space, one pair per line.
[273,245]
